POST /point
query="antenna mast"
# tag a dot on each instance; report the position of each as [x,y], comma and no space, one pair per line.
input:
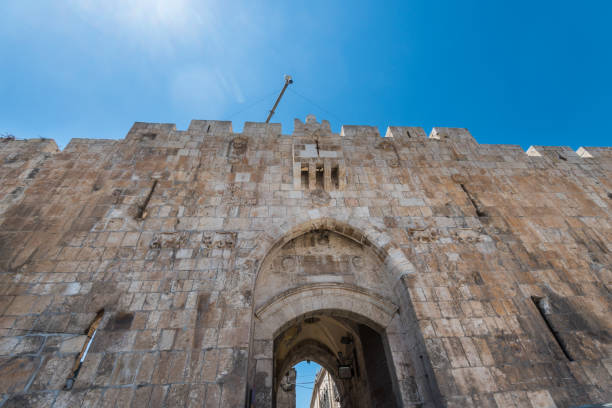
[288,81]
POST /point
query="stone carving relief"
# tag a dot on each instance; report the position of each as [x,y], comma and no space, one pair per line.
[217,240]
[460,235]
[357,261]
[321,257]
[170,240]
[237,149]
[288,262]
[236,195]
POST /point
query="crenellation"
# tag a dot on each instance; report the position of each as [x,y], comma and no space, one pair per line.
[354,131]
[457,135]
[406,134]
[262,136]
[81,145]
[584,152]
[150,134]
[16,151]
[556,154]
[311,127]
[501,154]
[595,152]
[261,129]
[210,126]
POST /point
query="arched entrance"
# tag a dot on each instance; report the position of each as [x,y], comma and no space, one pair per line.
[329,295]
[347,347]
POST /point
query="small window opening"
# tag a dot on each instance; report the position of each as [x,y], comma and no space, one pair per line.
[408,133]
[91,334]
[320,174]
[150,136]
[142,209]
[304,175]
[208,129]
[335,178]
[543,307]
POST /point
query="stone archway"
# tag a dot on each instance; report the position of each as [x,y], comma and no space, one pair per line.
[308,350]
[344,344]
[330,270]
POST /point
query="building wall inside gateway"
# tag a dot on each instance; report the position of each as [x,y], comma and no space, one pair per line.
[504,257]
[324,392]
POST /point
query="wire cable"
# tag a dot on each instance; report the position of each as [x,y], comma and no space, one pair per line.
[315,104]
[252,105]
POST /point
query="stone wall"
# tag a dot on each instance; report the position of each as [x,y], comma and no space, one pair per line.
[285,397]
[500,261]
[324,393]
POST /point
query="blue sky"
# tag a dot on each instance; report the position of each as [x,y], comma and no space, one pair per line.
[306,373]
[518,72]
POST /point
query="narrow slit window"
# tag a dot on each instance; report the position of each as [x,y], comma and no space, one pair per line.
[335,178]
[304,175]
[543,308]
[320,175]
[91,334]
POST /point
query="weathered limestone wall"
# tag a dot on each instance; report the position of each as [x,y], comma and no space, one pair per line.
[324,392]
[20,162]
[285,398]
[165,231]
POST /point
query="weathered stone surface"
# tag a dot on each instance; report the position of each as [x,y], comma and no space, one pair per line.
[15,372]
[480,273]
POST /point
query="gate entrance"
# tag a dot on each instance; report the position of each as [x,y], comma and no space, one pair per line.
[332,297]
[354,354]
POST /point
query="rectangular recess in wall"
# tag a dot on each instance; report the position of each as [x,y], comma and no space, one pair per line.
[320,175]
[304,175]
[542,305]
[335,177]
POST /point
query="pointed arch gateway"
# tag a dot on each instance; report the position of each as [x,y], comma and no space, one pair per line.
[333,293]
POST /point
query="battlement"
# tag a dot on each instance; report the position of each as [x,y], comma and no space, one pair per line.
[41,145]
[459,140]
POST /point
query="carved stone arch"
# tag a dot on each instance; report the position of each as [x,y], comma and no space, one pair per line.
[332,219]
[286,308]
[305,300]
[389,313]
[340,304]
